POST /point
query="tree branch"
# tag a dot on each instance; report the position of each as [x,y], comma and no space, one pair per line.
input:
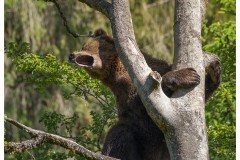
[100,5]
[65,22]
[18,147]
[40,137]
[143,77]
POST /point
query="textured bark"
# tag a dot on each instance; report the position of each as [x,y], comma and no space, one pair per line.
[182,117]
[147,81]
[40,138]
[188,137]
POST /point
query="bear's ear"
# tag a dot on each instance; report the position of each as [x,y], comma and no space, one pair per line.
[99,32]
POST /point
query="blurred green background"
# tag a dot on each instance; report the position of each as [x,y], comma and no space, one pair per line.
[44,92]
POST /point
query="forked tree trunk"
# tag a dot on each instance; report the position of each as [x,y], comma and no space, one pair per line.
[182,117]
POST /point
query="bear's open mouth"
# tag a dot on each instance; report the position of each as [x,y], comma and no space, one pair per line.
[84,60]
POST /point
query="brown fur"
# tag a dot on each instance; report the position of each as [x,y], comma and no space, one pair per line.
[135,136]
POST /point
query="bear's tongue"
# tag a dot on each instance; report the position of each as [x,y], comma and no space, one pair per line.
[85,60]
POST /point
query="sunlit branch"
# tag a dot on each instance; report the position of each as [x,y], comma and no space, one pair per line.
[40,137]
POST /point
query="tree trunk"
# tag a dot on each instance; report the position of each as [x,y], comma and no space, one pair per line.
[181,117]
[187,139]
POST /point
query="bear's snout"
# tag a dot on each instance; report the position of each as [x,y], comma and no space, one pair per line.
[71,57]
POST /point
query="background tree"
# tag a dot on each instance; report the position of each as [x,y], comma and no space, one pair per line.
[28,103]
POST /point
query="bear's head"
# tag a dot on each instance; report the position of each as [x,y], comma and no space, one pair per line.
[98,56]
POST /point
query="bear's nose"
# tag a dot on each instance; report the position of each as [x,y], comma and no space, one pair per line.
[71,57]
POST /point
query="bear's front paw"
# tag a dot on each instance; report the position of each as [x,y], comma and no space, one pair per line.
[184,78]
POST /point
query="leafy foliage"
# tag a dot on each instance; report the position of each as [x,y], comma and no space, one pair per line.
[45,70]
[228,6]
[220,38]
[222,141]
[37,72]
[53,121]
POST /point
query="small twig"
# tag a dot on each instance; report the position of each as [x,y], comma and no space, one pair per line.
[76,88]
[40,137]
[65,22]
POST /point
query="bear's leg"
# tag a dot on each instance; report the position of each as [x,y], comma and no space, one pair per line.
[121,143]
[213,74]
[183,78]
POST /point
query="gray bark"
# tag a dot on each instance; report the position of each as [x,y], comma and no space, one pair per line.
[40,137]
[146,80]
[181,117]
[188,137]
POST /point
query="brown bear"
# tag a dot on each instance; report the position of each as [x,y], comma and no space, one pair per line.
[135,136]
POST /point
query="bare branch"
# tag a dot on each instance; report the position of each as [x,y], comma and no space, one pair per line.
[65,22]
[100,5]
[40,137]
[18,147]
